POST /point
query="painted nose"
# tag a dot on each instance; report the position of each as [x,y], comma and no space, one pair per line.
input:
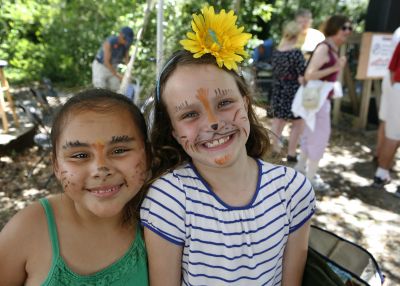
[214,126]
[102,172]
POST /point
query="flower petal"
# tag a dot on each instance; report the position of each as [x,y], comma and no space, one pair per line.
[219,35]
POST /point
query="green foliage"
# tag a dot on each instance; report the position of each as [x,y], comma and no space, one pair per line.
[59,38]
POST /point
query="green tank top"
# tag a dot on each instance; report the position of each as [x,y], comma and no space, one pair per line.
[131,269]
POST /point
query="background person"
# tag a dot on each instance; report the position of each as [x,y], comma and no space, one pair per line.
[389,110]
[308,38]
[324,65]
[112,52]
[288,67]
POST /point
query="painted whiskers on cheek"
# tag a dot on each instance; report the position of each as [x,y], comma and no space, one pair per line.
[65,180]
[186,144]
[140,172]
[241,115]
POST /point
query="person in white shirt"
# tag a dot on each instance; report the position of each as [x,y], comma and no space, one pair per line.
[308,38]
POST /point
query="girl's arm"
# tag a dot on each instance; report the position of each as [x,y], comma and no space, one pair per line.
[295,256]
[165,259]
[14,240]
[319,57]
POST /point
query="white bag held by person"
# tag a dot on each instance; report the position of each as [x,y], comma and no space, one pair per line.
[310,97]
[307,104]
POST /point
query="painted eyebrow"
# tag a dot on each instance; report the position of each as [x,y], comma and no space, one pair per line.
[114,140]
[121,139]
[72,144]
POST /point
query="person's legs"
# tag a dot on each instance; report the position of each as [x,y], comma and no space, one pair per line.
[113,83]
[317,144]
[387,153]
[277,126]
[380,138]
[386,156]
[302,162]
[99,75]
[295,132]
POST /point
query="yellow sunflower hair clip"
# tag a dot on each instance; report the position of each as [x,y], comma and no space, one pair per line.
[218,35]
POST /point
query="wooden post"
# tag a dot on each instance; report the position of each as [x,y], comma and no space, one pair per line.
[365,98]
[338,101]
[351,88]
[3,111]
[6,88]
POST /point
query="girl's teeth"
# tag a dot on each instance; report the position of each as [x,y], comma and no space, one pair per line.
[217,142]
[104,191]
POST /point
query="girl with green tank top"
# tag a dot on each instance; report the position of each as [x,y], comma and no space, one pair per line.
[89,234]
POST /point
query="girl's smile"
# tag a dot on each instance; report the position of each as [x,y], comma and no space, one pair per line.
[105,191]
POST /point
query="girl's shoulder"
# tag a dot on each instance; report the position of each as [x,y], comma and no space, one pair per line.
[24,235]
[281,171]
[21,224]
[183,171]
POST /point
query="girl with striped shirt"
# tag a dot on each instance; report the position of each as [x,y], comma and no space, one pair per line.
[215,213]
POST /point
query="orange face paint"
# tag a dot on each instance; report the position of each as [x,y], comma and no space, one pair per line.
[222,160]
[100,150]
[202,95]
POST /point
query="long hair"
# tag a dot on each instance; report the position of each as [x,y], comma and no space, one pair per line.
[103,101]
[168,154]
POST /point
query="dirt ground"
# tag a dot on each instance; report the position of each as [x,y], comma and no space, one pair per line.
[352,209]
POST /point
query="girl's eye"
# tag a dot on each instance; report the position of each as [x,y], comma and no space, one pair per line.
[120,150]
[189,115]
[224,103]
[80,156]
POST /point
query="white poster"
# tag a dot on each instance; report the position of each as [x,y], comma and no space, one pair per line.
[379,55]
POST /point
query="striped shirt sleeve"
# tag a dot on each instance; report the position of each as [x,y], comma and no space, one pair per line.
[163,209]
[300,204]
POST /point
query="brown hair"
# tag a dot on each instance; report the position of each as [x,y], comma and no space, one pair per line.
[103,101]
[334,24]
[168,154]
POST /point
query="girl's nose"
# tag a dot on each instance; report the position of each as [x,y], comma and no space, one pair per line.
[102,172]
[214,126]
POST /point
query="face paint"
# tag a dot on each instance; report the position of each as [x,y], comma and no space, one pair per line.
[140,173]
[243,118]
[222,92]
[222,160]
[99,147]
[202,95]
[181,106]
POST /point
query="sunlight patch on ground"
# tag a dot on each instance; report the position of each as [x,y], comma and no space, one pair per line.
[356,179]
[345,158]
[30,193]
[6,159]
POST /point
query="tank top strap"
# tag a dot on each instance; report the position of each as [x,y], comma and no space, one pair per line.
[52,227]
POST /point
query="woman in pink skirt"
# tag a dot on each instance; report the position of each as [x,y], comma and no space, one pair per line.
[324,65]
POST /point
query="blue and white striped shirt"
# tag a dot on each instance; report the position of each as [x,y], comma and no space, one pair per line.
[225,245]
